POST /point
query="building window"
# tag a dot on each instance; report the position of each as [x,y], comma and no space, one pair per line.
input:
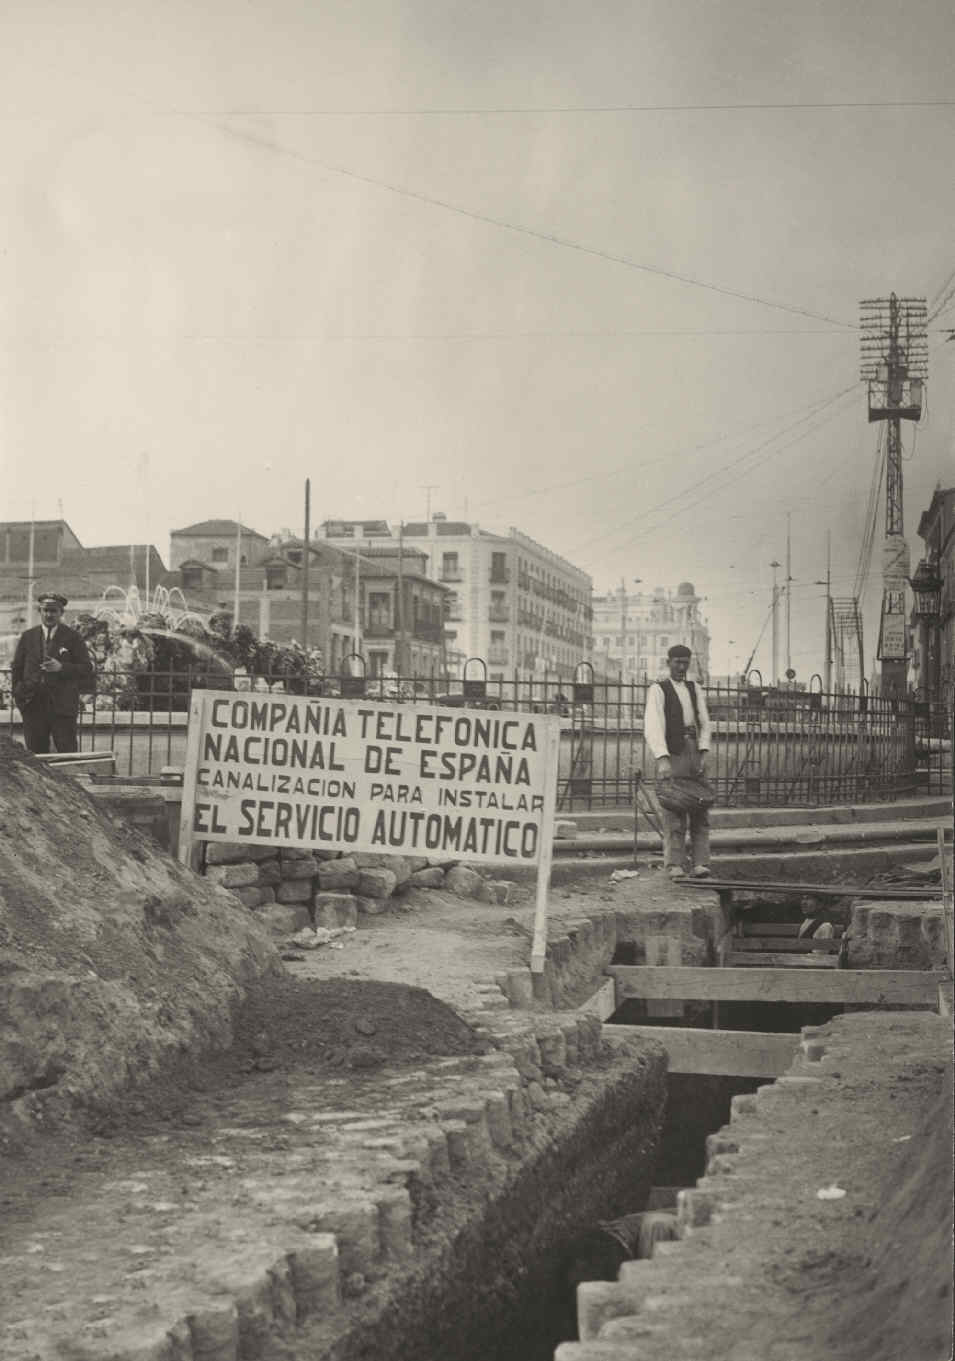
[450,570]
[220,555]
[276,578]
[191,578]
[499,567]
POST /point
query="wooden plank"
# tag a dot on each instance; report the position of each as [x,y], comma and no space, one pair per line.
[883,987]
[602,1003]
[784,945]
[765,959]
[887,892]
[751,928]
[732,1053]
[664,950]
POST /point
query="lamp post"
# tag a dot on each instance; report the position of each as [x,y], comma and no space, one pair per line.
[927,589]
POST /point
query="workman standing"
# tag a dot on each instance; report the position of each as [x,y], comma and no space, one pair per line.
[676,728]
[50,667]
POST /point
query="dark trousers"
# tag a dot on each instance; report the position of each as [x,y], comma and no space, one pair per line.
[40,724]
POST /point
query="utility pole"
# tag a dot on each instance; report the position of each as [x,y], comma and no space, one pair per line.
[894,365]
[238,564]
[306,559]
[827,656]
[428,488]
[31,565]
[774,564]
[399,604]
[789,594]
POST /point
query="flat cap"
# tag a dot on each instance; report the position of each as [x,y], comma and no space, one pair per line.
[678,650]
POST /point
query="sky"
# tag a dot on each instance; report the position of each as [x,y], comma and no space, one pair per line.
[591,270]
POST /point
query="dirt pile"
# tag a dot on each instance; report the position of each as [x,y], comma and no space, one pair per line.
[112,956]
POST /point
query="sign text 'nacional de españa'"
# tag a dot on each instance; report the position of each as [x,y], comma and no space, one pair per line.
[366,776]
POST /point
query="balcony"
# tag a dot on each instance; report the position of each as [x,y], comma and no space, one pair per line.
[428,633]
[379,628]
[523,581]
[499,614]
[497,655]
[451,574]
[500,576]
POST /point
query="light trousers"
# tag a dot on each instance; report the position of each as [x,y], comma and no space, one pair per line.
[676,826]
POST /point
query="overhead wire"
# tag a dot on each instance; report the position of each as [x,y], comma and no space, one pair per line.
[552,238]
[518,110]
[702,482]
[640,466]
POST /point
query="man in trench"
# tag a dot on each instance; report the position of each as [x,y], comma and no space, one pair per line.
[676,729]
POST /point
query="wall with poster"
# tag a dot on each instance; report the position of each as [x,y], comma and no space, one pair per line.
[364,776]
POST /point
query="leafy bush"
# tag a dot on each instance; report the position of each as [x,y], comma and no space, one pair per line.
[156,660]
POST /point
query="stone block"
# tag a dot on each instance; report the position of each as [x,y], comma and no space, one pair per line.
[242,875]
[372,907]
[416,862]
[214,1331]
[484,893]
[294,891]
[249,897]
[306,868]
[519,989]
[326,855]
[565,831]
[376,883]
[266,894]
[354,1222]
[270,873]
[226,852]
[463,881]
[284,919]
[335,909]
[296,853]
[426,878]
[501,890]
[314,1272]
[399,867]
[597,1303]
[553,1047]
[338,876]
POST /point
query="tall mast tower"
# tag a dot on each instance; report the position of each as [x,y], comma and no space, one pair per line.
[894,365]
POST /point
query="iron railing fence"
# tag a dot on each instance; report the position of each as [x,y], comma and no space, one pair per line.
[770,747]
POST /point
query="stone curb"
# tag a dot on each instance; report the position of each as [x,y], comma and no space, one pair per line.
[645,1308]
[357,1191]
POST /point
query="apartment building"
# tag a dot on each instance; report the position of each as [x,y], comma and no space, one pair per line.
[634,630]
[47,556]
[520,607]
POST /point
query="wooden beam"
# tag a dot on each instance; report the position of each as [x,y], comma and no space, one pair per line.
[751,928]
[602,1003]
[887,893]
[880,987]
[732,1053]
[769,959]
[786,945]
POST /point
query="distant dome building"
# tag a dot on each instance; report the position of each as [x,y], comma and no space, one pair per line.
[632,632]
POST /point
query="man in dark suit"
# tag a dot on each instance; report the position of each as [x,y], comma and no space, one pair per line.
[50,667]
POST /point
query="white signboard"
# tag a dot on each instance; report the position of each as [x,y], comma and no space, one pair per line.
[356,775]
[893,638]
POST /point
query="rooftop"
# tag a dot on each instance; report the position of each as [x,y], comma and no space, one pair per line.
[212,529]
